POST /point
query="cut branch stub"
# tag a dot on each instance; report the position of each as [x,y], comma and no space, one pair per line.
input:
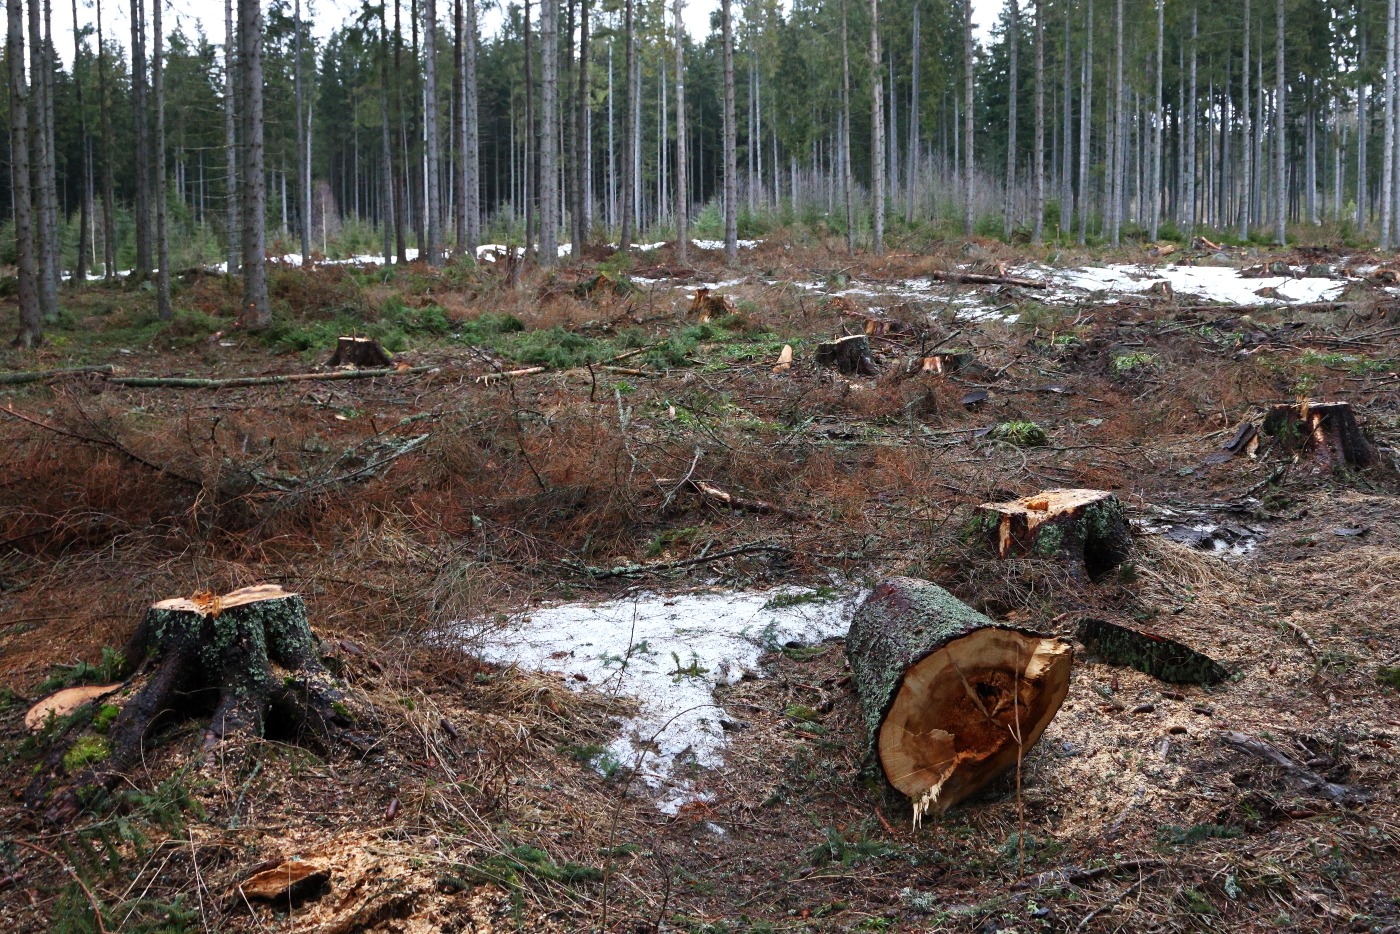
[1158,656]
[950,698]
[1083,527]
[253,649]
[849,355]
[362,353]
[1326,430]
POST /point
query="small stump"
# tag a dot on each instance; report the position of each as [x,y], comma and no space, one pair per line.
[708,305]
[1328,431]
[1085,528]
[948,361]
[361,353]
[849,355]
[950,698]
[253,649]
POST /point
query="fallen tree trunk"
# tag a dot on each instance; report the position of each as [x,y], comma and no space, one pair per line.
[980,278]
[36,376]
[1085,528]
[849,355]
[228,645]
[234,382]
[1158,656]
[950,698]
[1327,430]
[362,353]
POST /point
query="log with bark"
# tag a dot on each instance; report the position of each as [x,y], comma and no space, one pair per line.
[1158,656]
[252,649]
[1084,528]
[849,355]
[950,698]
[1326,430]
[978,278]
[362,353]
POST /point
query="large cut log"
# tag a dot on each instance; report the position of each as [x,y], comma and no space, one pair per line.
[950,698]
[1085,528]
[849,355]
[1158,656]
[252,648]
[1326,430]
[362,353]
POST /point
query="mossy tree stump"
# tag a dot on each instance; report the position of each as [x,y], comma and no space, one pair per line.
[849,355]
[950,698]
[362,353]
[1328,431]
[252,649]
[1087,529]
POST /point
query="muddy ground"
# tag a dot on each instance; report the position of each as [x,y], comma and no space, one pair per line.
[534,451]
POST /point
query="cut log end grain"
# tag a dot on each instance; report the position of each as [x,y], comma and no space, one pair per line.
[849,355]
[951,699]
[361,353]
[1328,431]
[1086,528]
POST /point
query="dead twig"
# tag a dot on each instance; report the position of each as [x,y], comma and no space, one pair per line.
[1309,780]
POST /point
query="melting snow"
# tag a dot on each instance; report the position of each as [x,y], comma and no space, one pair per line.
[670,652]
[1209,283]
[719,244]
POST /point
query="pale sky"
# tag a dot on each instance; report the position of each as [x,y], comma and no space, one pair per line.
[328,14]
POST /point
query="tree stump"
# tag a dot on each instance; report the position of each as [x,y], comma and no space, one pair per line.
[253,649]
[950,698]
[946,361]
[708,305]
[849,355]
[1085,528]
[362,353]
[1326,430]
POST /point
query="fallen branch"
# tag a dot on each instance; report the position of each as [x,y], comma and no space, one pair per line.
[981,278]
[1114,902]
[37,376]
[1310,781]
[510,374]
[182,382]
[715,495]
[628,570]
[102,442]
[1075,875]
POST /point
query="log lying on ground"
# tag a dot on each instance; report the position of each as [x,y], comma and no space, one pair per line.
[252,648]
[950,698]
[978,278]
[236,382]
[849,355]
[1085,528]
[1326,430]
[1158,656]
[362,353]
[1308,781]
[38,376]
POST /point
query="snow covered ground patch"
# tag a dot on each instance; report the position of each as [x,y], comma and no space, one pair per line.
[719,244]
[670,653]
[1208,283]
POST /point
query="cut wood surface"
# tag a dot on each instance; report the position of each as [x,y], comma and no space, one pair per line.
[1326,430]
[1086,528]
[950,698]
[62,703]
[362,353]
[849,355]
[1158,656]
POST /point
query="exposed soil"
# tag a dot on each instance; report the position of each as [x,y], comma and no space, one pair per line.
[397,504]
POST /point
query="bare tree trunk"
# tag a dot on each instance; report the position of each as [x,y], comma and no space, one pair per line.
[1155,188]
[731,167]
[912,172]
[41,167]
[1086,116]
[30,326]
[432,167]
[51,263]
[1280,156]
[1363,132]
[85,244]
[1067,139]
[230,140]
[549,133]
[968,93]
[1247,152]
[459,109]
[401,184]
[682,190]
[877,133]
[388,213]
[1013,92]
[158,155]
[630,143]
[532,151]
[142,147]
[257,313]
[471,124]
[1038,160]
[1189,199]
[582,149]
[846,174]
[1120,148]
[302,140]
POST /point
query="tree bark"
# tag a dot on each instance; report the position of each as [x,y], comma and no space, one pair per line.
[847,177]
[1086,116]
[1155,189]
[1013,121]
[730,156]
[471,144]
[1152,654]
[1328,431]
[141,152]
[582,160]
[849,355]
[1247,148]
[41,167]
[968,94]
[1038,160]
[432,167]
[1083,528]
[630,143]
[303,139]
[257,313]
[950,698]
[877,133]
[163,309]
[1280,154]
[30,326]
[911,173]
[682,169]
[388,208]
[85,245]
[232,194]
[549,133]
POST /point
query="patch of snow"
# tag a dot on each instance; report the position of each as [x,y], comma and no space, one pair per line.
[722,284]
[1208,283]
[670,652]
[719,244]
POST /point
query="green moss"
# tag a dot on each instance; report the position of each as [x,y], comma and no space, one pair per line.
[1389,676]
[1049,541]
[86,751]
[1128,364]
[104,717]
[1022,434]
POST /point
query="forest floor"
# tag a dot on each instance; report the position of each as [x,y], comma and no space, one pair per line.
[421,512]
